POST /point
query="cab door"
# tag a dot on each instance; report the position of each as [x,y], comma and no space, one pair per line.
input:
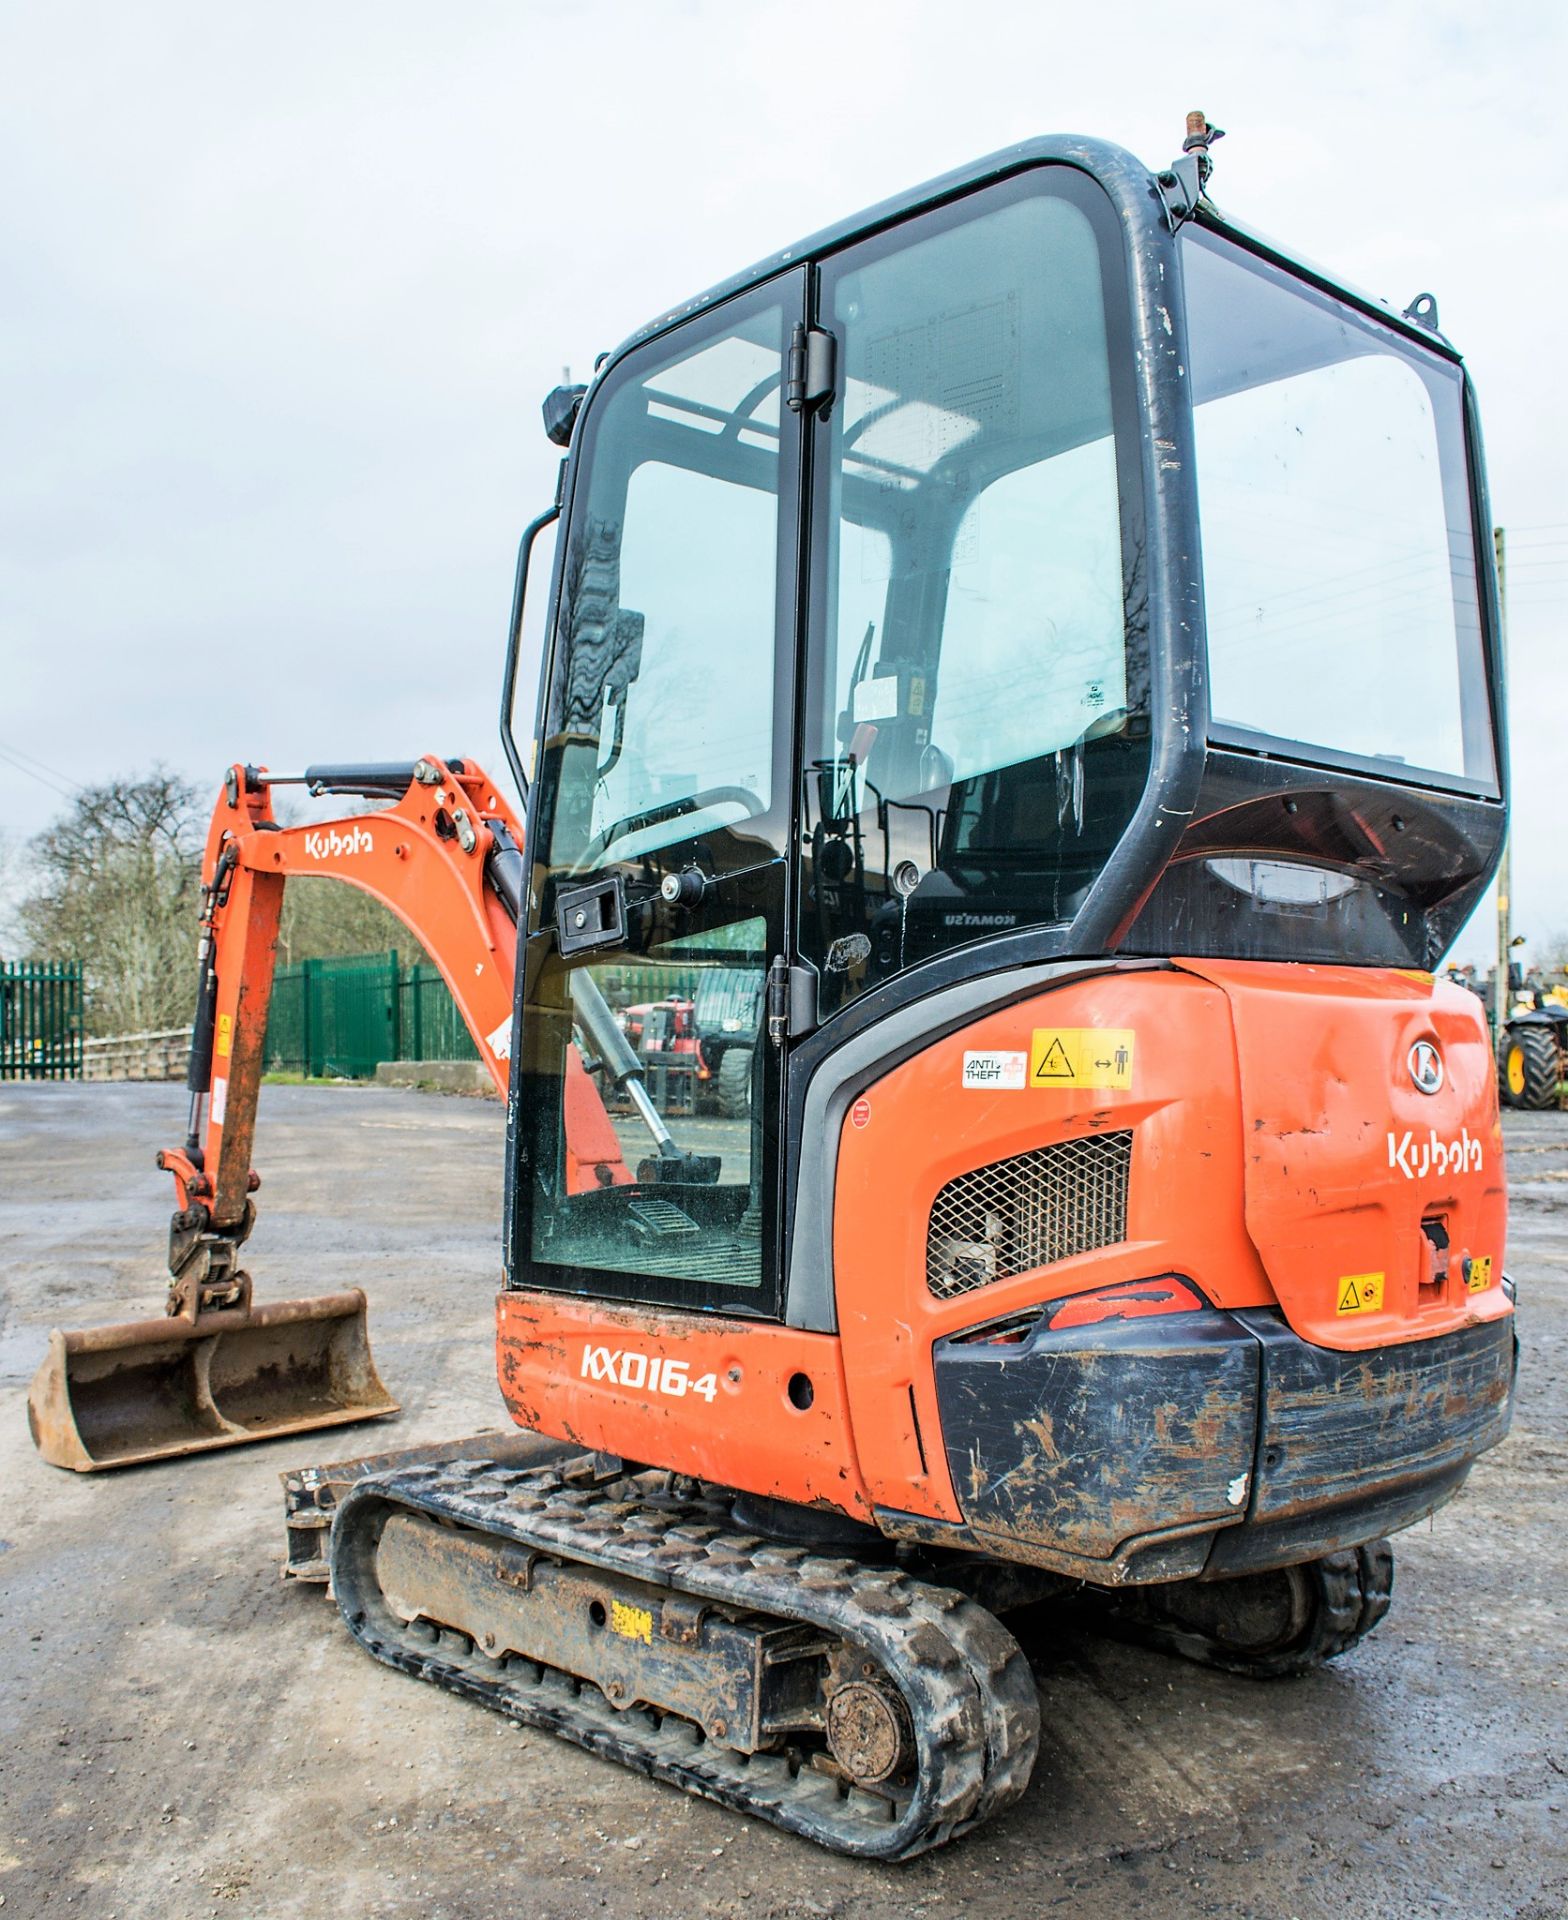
[659,830]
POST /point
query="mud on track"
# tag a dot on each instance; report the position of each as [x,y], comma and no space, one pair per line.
[183,1735]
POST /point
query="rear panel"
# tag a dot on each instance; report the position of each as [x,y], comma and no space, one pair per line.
[1104,1306]
[1374,1148]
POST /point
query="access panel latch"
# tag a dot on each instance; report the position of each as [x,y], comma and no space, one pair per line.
[591,916]
[808,370]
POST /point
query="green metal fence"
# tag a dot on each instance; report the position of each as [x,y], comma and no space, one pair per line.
[40,1020]
[339,1019]
[429,1024]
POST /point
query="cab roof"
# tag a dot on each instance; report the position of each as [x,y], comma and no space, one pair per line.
[1131,184]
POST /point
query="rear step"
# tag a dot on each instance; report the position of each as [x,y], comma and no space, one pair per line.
[311,1494]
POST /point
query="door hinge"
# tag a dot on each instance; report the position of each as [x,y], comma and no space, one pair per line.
[778,1000]
[808,370]
[792,1000]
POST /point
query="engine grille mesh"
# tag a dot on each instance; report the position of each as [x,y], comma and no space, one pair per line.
[1029,1211]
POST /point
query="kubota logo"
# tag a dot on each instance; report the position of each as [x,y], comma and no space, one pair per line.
[332,845]
[1416,1159]
[1426,1067]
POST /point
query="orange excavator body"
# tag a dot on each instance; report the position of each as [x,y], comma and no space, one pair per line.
[1260,1186]
[1035,649]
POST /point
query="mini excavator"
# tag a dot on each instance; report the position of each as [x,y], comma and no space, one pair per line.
[1040,641]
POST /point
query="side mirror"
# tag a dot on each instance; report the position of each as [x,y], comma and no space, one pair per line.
[561,407]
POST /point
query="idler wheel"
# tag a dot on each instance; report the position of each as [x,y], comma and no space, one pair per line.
[869,1731]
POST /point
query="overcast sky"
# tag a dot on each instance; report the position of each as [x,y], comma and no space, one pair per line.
[282,286]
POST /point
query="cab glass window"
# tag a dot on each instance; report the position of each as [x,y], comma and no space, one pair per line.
[660,1174]
[662,718]
[1338,550]
[645,1087]
[977,733]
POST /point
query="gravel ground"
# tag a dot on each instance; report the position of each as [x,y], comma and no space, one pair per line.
[182,1734]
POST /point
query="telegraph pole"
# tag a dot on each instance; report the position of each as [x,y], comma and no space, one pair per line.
[1505,864]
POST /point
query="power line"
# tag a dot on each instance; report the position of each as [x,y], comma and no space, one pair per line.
[19,753]
[32,773]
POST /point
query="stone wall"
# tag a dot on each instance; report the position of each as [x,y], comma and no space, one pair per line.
[438,1076]
[137,1056]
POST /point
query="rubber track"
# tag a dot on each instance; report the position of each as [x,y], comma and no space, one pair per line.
[967,1685]
[1349,1593]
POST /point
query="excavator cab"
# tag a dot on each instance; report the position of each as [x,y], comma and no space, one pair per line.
[1038,570]
[1042,638]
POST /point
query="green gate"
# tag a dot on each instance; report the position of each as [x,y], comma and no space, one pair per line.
[40,1020]
[340,1018]
[334,1019]
[429,1024]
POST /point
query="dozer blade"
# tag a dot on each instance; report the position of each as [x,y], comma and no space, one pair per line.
[156,1389]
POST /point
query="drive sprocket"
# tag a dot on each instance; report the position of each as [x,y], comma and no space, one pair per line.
[1269,1626]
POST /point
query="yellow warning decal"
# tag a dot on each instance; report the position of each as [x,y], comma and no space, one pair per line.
[225,1034]
[1478,1272]
[631,1623]
[1081,1057]
[1360,1293]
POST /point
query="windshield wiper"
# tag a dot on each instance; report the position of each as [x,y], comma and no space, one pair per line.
[845,728]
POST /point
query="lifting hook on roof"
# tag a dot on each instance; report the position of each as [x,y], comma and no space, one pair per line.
[1200,137]
[1186,180]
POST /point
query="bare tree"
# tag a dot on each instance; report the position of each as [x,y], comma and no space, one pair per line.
[113,884]
[323,918]
[11,873]
[1550,952]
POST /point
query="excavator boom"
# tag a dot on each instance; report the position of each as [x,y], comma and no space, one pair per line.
[217,1370]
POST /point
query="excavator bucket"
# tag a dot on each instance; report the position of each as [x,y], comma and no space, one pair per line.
[156,1389]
